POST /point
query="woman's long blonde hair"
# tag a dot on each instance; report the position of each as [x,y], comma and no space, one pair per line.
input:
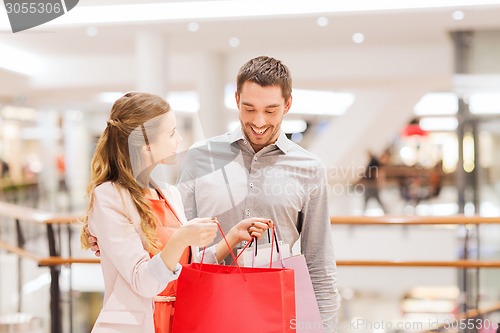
[112,160]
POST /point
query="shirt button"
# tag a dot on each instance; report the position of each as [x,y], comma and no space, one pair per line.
[251,185]
[255,158]
[245,141]
[248,212]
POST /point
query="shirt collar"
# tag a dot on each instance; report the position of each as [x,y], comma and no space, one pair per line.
[283,143]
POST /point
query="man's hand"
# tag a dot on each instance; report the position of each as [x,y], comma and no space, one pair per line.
[246,229]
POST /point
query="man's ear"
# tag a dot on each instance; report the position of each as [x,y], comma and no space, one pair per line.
[237,97]
[288,104]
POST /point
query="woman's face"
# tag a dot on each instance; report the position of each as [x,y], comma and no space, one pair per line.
[164,146]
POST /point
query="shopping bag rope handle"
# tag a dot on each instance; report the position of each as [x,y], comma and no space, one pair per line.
[274,241]
[230,251]
[242,250]
[280,255]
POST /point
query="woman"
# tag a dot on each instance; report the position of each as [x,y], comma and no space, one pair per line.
[143,234]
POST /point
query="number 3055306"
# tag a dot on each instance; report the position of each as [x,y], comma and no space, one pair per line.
[33,8]
[471,323]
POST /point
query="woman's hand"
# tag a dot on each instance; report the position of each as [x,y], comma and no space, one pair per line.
[94,246]
[198,232]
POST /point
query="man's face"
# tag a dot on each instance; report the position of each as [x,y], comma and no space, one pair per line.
[261,113]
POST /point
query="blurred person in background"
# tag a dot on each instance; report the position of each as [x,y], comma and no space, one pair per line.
[5,169]
[372,181]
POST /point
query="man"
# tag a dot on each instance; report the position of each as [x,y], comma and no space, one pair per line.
[256,171]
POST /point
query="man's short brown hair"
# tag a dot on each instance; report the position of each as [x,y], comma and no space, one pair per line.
[266,72]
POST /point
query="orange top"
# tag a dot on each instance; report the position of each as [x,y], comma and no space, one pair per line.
[168,223]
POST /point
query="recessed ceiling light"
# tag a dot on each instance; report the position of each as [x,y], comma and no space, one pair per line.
[234,42]
[358,38]
[322,21]
[193,26]
[458,15]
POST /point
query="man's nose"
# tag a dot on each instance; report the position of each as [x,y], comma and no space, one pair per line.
[259,120]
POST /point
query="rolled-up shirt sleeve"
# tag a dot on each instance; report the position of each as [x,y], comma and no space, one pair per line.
[317,247]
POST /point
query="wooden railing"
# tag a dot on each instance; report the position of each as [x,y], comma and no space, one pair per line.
[388,220]
[54,260]
[413,220]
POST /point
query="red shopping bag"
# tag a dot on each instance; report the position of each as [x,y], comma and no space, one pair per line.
[229,299]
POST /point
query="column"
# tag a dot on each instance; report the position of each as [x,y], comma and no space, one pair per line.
[49,144]
[466,182]
[151,60]
[151,63]
[210,86]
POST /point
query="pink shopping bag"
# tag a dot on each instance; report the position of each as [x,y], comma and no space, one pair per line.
[308,318]
[308,315]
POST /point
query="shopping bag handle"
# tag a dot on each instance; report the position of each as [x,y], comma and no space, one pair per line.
[273,241]
[230,251]
[242,250]
[225,240]
[280,255]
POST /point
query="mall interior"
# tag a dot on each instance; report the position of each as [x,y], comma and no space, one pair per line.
[407,91]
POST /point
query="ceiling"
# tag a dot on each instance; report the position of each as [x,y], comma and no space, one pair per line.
[399,45]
